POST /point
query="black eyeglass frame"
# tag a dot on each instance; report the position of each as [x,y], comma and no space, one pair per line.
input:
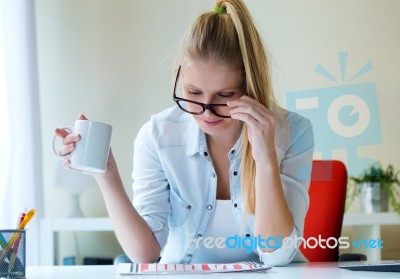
[204,106]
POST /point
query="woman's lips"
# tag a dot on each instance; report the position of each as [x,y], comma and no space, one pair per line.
[212,123]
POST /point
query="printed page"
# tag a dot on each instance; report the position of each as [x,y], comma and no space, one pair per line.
[157,268]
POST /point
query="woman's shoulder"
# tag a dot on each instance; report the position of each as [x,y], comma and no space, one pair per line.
[293,119]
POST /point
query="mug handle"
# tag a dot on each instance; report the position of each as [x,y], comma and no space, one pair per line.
[70,129]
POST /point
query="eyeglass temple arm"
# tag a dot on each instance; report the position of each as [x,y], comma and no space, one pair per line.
[176,81]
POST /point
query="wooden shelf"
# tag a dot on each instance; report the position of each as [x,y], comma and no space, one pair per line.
[364,226]
[363,219]
[81,224]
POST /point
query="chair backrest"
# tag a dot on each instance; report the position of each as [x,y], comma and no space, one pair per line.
[325,214]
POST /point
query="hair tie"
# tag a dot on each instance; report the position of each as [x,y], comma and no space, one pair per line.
[220,10]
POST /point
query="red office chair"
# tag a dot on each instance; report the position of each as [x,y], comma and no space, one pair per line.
[325,214]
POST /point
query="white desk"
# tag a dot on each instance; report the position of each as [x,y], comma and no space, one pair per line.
[306,271]
[365,226]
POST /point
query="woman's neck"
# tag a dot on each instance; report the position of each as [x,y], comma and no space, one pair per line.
[224,141]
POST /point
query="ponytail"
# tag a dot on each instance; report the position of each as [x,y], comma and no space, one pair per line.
[228,34]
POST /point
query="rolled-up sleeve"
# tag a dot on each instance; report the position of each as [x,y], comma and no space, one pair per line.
[150,185]
[282,255]
[295,173]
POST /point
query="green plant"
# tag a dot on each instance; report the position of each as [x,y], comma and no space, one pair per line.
[386,177]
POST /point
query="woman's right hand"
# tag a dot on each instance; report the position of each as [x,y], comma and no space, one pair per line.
[69,140]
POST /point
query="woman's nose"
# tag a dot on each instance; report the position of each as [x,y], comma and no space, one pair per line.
[208,113]
[208,100]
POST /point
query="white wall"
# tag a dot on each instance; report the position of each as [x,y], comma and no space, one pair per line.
[112,60]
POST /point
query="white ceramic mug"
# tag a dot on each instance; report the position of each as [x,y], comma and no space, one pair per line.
[91,152]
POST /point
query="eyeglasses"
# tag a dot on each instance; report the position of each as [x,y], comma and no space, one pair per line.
[197,108]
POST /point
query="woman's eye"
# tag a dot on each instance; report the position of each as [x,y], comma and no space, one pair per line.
[228,95]
[194,93]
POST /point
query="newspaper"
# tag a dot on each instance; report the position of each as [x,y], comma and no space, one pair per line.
[157,268]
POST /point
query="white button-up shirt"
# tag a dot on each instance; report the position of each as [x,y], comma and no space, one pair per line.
[174,182]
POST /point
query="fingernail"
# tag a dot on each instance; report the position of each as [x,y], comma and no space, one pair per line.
[76,136]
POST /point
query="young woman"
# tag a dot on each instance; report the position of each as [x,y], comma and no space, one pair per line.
[225,162]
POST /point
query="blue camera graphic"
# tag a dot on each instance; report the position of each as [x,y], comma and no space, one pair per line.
[343,116]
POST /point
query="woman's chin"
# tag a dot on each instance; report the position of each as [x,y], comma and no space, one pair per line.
[213,127]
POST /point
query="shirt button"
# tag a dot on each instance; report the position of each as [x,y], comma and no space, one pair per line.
[188,206]
[189,256]
[209,207]
[235,205]
[235,173]
[233,152]
[213,175]
[205,154]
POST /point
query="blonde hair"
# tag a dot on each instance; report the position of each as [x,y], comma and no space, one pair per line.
[230,38]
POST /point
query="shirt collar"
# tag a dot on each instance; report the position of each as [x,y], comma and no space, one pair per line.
[196,139]
[235,150]
[197,142]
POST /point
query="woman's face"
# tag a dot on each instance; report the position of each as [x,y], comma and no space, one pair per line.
[211,83]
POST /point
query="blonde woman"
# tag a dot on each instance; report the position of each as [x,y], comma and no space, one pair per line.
[224,175]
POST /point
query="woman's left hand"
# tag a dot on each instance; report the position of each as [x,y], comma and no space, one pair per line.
[260,126]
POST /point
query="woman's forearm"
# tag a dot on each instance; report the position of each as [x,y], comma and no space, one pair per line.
[272,214]
[133,233]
